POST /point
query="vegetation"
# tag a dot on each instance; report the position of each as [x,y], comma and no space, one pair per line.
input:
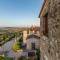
[17,44]
[22,58]
[38,54]
[7,36]
[6,58]
[4,37]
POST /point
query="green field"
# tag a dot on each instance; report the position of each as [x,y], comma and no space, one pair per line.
[7,36]
[6,58]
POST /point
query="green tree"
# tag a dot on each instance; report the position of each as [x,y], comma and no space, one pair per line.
[38,54]
[22,58]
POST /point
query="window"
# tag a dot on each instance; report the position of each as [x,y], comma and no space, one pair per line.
[33,46]
[45,32]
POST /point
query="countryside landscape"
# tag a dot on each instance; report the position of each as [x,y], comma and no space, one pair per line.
[29,29]
[13,45]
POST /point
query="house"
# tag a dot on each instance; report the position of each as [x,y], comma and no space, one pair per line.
[50,30]
[33,42]
[32,30]
[1,52]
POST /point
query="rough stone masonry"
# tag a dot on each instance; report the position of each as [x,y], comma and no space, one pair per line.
[54,28]
[50,45]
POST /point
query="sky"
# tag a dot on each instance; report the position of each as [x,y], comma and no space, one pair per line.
[16,13]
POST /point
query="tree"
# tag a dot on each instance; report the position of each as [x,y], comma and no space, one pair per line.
[22,58]
[38,54]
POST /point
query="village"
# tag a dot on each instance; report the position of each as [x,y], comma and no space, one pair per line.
[24,42]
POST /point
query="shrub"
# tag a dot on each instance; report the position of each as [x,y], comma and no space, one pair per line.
[6,58]
[16,46]
[22,58]
[38,54]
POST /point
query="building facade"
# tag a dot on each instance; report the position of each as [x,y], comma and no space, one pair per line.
[32,30]
[33,42]
[50,30]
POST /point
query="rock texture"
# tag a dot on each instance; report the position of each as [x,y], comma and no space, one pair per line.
[54,28]
[50,45]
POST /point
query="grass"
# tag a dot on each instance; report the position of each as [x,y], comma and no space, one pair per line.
[16,46]
[6,58]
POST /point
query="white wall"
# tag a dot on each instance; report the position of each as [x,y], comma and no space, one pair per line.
[33,40]
[24,36]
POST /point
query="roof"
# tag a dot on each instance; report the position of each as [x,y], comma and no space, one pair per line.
[33,36]
[42,8]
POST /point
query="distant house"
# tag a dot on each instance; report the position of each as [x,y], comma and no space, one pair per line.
[33,42]
[1,52]
[32,30]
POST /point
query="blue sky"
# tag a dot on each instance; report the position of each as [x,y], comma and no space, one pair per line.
[19,12]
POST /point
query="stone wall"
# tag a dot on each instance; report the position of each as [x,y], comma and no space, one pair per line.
[50,45]
[44,48]
[54,28]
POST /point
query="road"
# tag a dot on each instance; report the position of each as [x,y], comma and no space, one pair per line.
[9,51]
